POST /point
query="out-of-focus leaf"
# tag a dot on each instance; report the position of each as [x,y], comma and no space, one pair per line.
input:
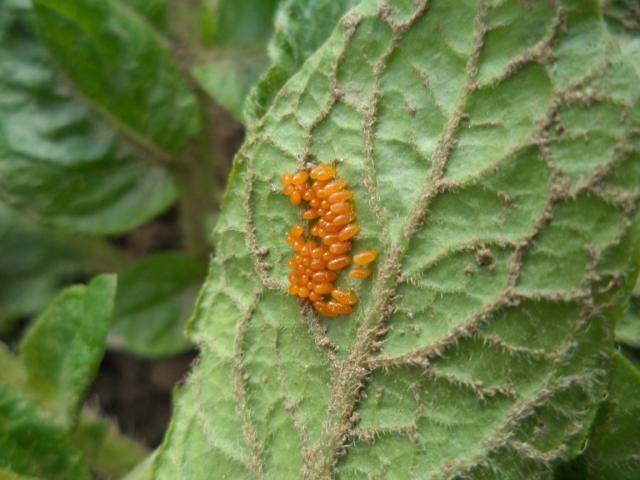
[33,265]
[63,348]
[155,298]
[31,445]
[56,161]
[144,471]
[229,78]
[301,27]
[153,10]
[491,149]
[123,68]
[109,453]
[12,373]
[7,475]
[238,23]
[236,33]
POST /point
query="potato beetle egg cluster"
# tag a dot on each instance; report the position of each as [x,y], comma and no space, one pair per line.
[322,249]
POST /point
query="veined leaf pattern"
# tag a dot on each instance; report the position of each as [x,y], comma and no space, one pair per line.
[492,149]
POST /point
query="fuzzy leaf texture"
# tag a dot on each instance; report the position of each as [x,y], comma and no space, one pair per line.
[58,163]
[492,149]
[301,26]
[614,448]
[628,328]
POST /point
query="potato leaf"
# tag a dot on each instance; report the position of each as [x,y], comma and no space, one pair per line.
[33,265]
[123,68]
[628,328]
[63,348]
[58,164]
[613,450]
[492,150]
[31,446]
[106,449]
[301,27]
[155,298]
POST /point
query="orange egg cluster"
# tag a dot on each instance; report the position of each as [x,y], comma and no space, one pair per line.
[329,211]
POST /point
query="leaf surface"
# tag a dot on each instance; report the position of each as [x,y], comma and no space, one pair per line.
[613,450]
[301,27]
[123,68]
[59,164]
[614,445]
[155,298]
[31,446]
[7,475]
[628,328]
[33,265]
[62,350]
[493,160]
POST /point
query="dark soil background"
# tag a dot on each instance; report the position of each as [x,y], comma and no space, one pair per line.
[137,393]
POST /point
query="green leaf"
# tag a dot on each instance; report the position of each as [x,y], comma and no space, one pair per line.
[238,23]
[229,77]
[236,33]
[30,445]
[57,163]
[155,298]
[109,453]
[64,347]
[622,17]
[7,475]
[122,68]
[490,148]
[153,10]
[301,27]
[144,471]
[33,265]
[12,373]
[613,451]
[628,328]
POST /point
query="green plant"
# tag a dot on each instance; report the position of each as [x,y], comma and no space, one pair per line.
[493,149]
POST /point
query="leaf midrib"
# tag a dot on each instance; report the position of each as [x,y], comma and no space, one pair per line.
[352,372]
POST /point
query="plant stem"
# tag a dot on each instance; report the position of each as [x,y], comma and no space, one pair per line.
[196,180]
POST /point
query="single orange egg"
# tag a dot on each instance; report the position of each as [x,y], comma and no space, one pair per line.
[339,247]
[287,178]
[323,288]
[338,308]
[364,258]
[338,263]
[323,172]
[360,273]
[348,232]
[341,196]
[299,178]
[343,296]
